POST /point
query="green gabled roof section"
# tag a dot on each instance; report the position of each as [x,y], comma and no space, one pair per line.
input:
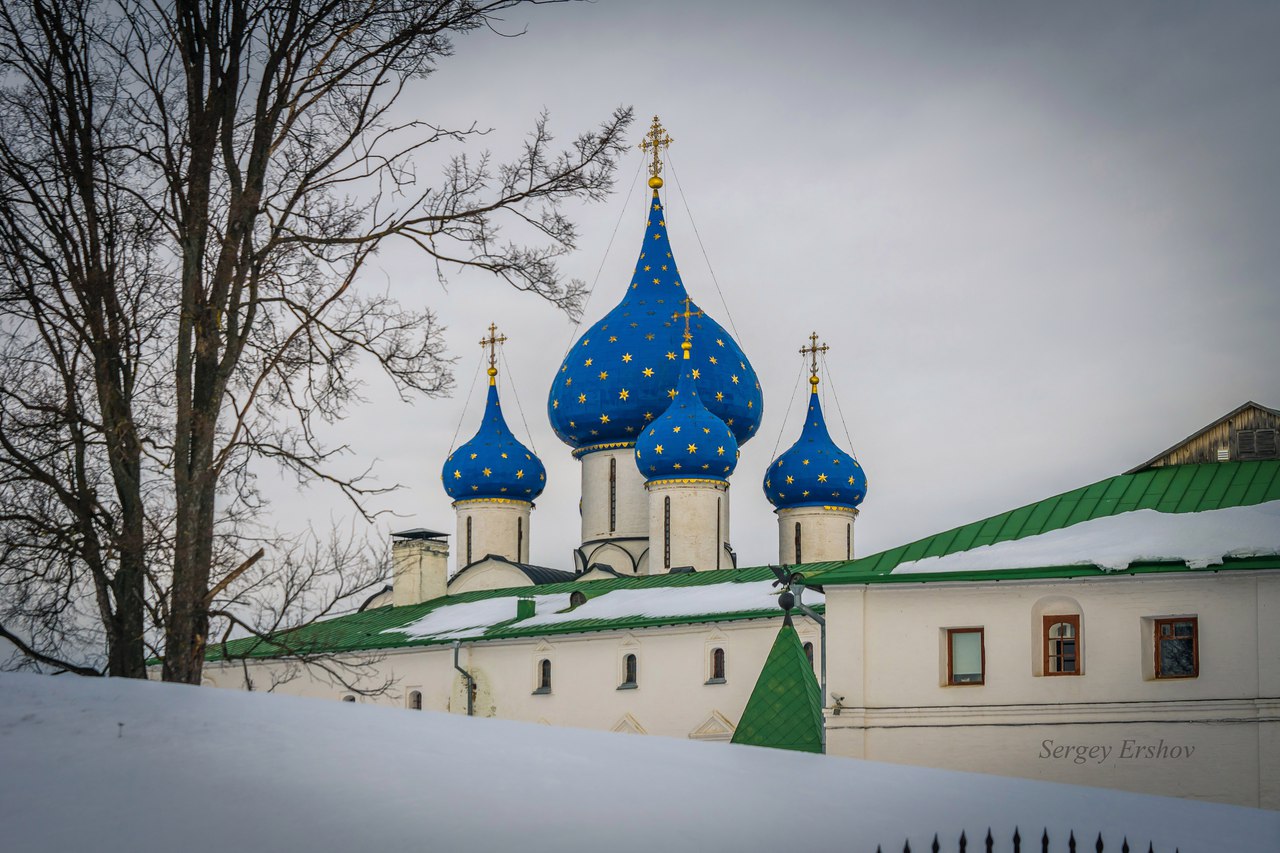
[376,630]
[785,708]
[1181,488]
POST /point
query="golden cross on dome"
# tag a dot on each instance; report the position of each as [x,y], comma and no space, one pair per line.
[813,351]
[656,139]
[686,314]
[492,343]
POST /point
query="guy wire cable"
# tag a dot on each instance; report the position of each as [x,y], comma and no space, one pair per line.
[577,324]
[512,385]
[706,259]
[790,403]
[843,422]
[467,405]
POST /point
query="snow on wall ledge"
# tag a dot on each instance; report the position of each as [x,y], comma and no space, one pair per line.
[1199,539]
[467,620]
[119,765]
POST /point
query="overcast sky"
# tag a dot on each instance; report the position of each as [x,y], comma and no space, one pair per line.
[1041,239]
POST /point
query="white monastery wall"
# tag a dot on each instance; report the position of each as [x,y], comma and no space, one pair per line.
[671,698]
[888,664]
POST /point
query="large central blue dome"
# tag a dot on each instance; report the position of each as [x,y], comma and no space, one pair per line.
[622,373]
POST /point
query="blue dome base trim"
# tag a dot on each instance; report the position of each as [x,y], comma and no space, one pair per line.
[820,505]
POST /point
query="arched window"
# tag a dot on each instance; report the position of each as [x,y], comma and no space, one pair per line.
[544,676]
[577,598]
[666,532]
[719,535]
[808,652]
[468,540]
[519,540]
[848,542]
[1062,645]
[348,698]
[799,559]
[717,664]
[628,672]
[613,494]
[415,700]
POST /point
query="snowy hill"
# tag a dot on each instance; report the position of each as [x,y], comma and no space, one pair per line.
[127,766]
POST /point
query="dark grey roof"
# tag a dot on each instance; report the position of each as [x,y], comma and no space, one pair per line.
[537,574]
[419,533]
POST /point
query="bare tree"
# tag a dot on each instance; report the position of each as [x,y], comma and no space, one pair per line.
[188,194]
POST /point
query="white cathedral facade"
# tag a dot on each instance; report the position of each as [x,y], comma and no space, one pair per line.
[1086,638]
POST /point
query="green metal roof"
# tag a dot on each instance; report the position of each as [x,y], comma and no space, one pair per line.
[785,708]
[1181,488]
[373,630]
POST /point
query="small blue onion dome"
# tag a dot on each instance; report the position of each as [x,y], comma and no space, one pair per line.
[622,372]
[813,471]
[687,441]
[493,464]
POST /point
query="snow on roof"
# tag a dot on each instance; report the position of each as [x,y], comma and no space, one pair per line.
[1199,539]
[122,765]
[464,620]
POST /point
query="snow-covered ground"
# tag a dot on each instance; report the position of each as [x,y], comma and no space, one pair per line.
[111,765]
[1199,539]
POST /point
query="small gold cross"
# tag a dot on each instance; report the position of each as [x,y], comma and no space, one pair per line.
[655,140]
[813,350]
[492,343]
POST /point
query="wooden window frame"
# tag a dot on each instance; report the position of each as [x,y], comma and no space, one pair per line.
[1195,644]
[630,671]
[718,665]
[1045,640]
[982,650]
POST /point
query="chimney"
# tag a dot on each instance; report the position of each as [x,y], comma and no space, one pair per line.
[420,566]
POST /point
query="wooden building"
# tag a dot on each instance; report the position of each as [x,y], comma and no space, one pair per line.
[1244,434]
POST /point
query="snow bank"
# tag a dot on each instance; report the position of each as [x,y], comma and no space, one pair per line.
[1199,539]
[113,765]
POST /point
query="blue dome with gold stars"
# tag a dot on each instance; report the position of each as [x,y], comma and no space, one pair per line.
[493,464]
[687,441]
[814,472]
[622,373]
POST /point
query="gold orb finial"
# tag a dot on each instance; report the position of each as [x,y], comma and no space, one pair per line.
[654,141]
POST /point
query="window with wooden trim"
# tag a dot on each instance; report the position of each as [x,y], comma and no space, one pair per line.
[966,656]
[1177,647]
[415,700]
[1061,645]
[1256,444]
[717,667]
[544,676]
[629,672]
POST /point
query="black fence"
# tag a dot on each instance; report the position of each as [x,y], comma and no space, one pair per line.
[1044,845]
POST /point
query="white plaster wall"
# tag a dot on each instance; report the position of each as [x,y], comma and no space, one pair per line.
[672,697]
[826,533]
[696,506]
[887,662]
[631,524]
[493,530]
[489,575]
[420,570]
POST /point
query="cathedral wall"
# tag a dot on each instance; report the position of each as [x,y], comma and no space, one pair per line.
[671,697]
[698,509]
[888,664]
[495,527]
[826,533]
[629,527]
